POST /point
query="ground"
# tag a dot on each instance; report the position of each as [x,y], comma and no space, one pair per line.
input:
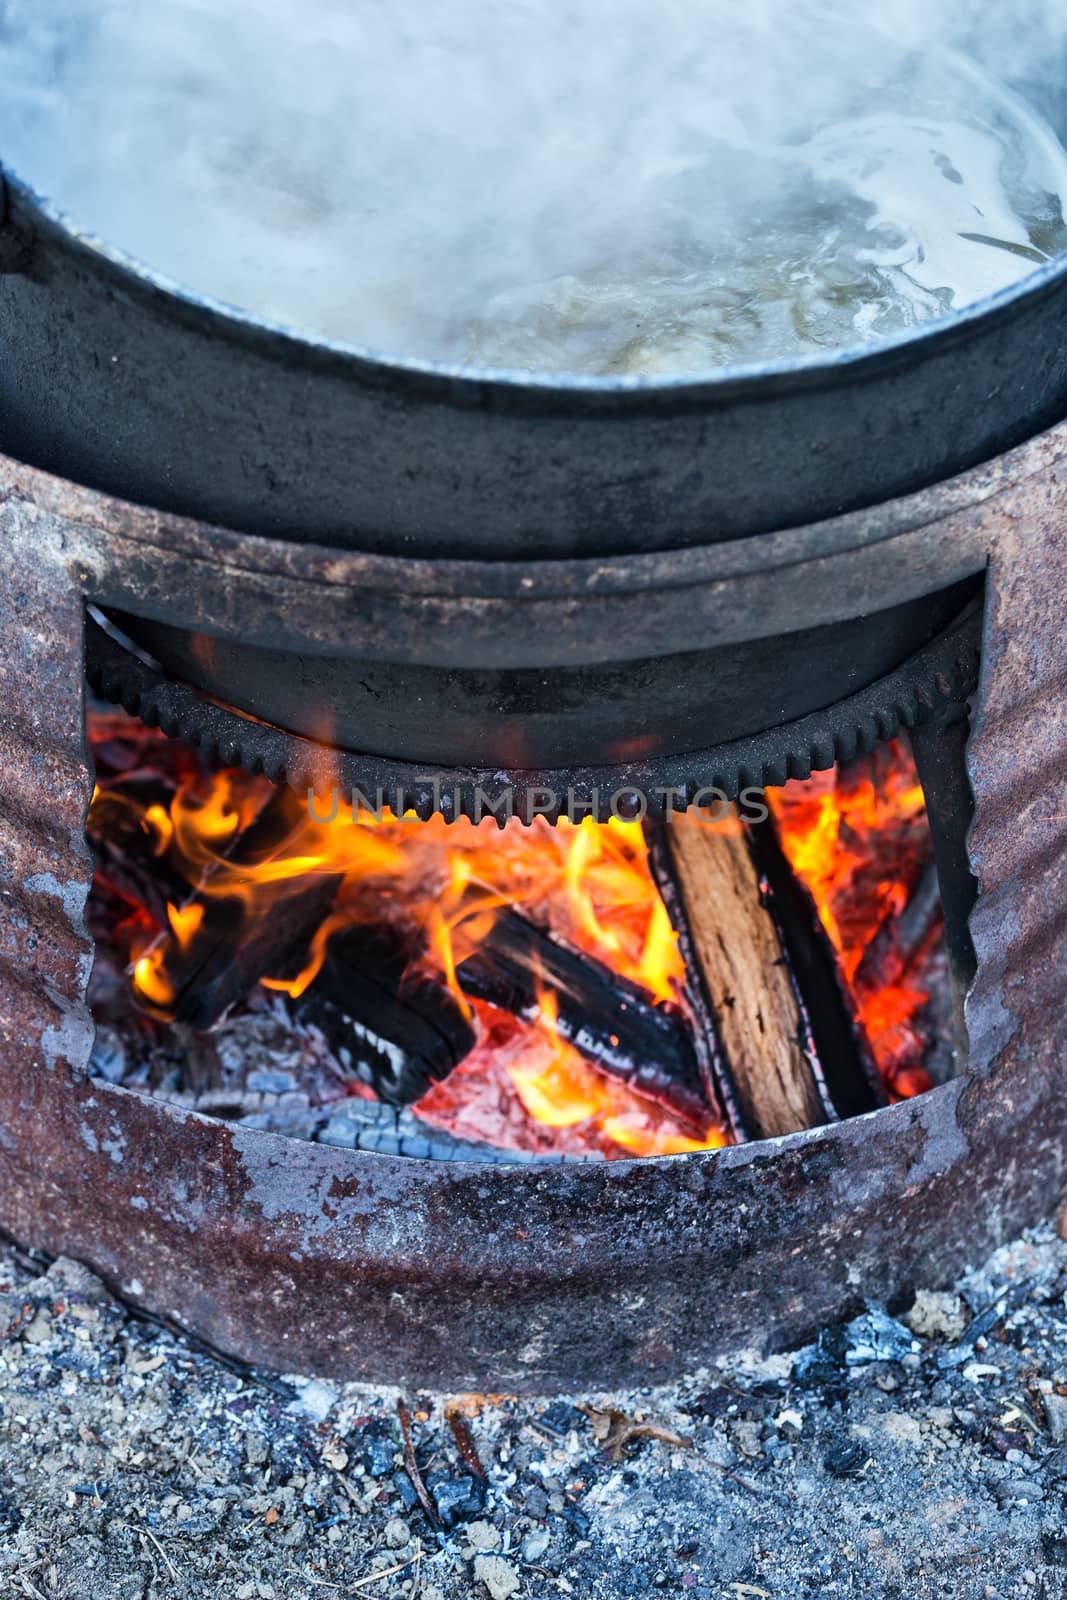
[908,1463]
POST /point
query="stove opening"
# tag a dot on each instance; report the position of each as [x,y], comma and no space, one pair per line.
[473,992]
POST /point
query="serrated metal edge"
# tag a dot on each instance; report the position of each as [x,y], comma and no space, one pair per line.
[944,673]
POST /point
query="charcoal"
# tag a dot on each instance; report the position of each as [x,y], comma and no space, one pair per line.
[822,1366]
[378,1449]
[899,941]
[458,1497]
[560,1417]
[370,1125]
[985,1322]
[266,1081]
[846,1457]
[125,853]
[876,1336]
[398,1030]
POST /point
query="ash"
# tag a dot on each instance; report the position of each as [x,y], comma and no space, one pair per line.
[894,1458]
[262,1067]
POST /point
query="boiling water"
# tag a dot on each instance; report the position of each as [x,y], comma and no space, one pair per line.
[591,186]
[870,227]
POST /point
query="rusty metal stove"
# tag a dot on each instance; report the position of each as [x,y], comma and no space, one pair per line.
[302,1256]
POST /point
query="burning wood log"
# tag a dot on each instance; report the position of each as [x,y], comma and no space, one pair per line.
[608,1020]
[891,986]
[900,941]
[215,952]
[395,1027]
[766,1032]
[400,1029]
[765,1024]
[129,850]
[754,1035]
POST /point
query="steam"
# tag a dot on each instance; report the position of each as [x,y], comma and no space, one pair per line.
[604,185]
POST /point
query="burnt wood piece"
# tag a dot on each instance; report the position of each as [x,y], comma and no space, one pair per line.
[124,853]
[609,1021]
[832,1033]
[900,940]
[227,955]
[395,1028]
[757,1045]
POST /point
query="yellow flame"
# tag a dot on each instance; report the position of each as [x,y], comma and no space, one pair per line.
[586,882]
[185,922]
[829,830]
[157,824]
[151,982]
[660,1142]
[661,969]
[563,1091]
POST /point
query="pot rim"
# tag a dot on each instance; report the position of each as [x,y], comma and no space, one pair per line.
[21,202]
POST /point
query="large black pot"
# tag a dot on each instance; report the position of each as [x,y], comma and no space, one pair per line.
[112,379]
[117,381]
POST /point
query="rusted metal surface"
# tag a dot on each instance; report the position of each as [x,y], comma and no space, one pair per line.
[302,1256]
[45,866]
[514,613]
[939,746]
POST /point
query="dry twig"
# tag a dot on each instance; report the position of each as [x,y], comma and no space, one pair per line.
[423,1494]
[465,1443]
[146,1533]
[387,1572]
[615,1431]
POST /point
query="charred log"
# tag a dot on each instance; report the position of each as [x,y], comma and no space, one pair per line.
[902,939]
[227,953]
[126,849]
[609,1021]
[393,1024]
[902,957]
[394,1027]
[831,1034]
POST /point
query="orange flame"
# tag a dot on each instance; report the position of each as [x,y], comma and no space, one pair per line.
[587,883]
[564,1090]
